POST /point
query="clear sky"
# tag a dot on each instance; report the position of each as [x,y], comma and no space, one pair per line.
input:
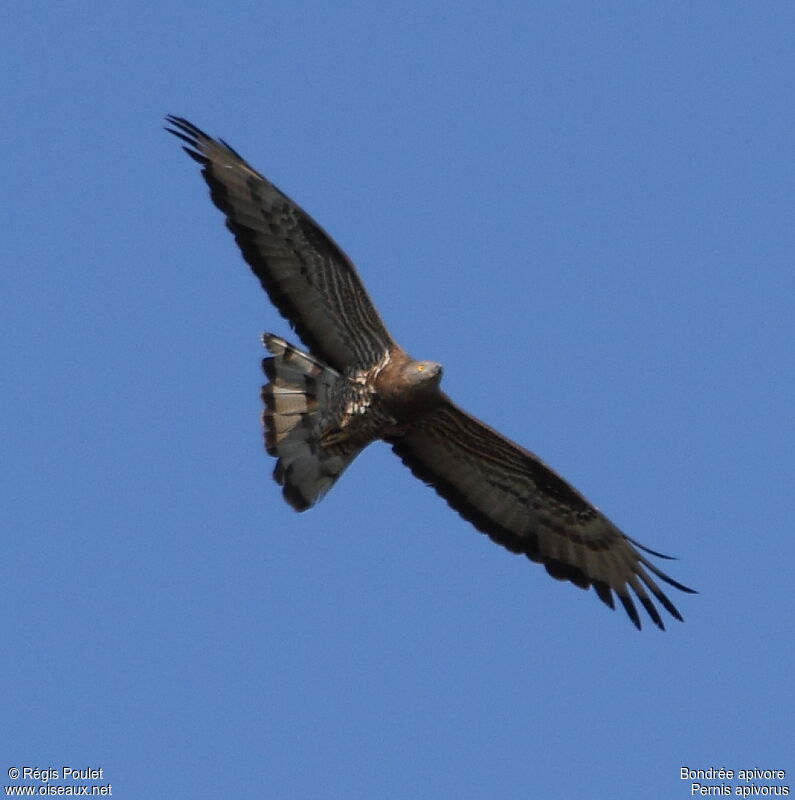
[583,210]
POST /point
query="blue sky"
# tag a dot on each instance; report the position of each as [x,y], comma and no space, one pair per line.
[584,211]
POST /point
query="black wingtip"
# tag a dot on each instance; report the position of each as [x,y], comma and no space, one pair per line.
[649,550]
[629,607]
[199,143]
[190,135]
[186,127]
[603,593]
[669,606]
[663,577]
[197,157]
[652,612]
[187,139]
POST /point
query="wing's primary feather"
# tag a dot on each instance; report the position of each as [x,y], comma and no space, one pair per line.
[511,495]
[307,276]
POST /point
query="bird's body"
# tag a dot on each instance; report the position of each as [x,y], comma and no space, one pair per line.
[317,420]
[356,385]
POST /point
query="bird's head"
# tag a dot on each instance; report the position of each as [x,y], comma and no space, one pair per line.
[422,373]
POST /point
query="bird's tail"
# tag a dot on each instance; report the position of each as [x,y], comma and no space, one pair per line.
[299,405]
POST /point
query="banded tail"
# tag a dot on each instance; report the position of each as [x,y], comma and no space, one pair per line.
[301,403]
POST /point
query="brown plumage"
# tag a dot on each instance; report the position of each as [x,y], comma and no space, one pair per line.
[356,385]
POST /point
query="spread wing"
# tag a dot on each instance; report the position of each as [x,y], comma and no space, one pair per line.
[511,495]
[309,279]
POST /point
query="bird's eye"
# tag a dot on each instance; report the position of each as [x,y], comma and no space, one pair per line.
[420,367]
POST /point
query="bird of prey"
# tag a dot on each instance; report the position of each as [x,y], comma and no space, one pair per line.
[357,385]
